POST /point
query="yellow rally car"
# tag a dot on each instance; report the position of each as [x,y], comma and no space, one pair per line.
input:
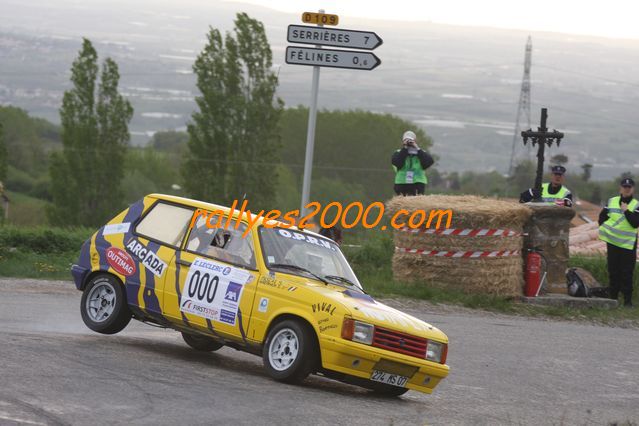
[285,294]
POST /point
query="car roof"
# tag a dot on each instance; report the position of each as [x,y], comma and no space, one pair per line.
[211,207]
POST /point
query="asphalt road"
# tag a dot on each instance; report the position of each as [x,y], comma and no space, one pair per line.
[504,370]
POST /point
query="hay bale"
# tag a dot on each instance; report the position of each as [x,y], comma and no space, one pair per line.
[454,242]
[485,275]
[497,276]
[469,211]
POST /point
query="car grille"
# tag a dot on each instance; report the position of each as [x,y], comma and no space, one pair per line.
[399,342]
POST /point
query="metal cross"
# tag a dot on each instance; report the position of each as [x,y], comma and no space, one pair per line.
[541,137]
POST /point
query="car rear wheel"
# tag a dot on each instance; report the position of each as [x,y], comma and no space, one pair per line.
[103,306]
[290,352]
[201,343]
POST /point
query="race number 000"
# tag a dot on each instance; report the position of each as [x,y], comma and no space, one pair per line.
[202,285]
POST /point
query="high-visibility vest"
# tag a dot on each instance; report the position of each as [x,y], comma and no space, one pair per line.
[617,230]
[412,164]
[547,197]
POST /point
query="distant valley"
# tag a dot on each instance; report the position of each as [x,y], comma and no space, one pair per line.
[461,84]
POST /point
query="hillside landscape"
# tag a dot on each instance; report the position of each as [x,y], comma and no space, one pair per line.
[461,84]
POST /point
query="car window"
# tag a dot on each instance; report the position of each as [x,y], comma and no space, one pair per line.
[165,223]
[309,251]
[226,245]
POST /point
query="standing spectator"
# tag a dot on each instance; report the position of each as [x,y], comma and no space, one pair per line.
[618,223]
[409,164]
[553,192]
[334,233]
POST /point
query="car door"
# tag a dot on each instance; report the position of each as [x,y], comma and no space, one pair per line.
[152,245]
[215,280]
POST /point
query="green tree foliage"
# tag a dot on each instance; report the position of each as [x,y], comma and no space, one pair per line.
[559,159]
[3,156]
[234,138]
[173,145]
[354,147]
[147,171]
[523,176]
[27,139]
[587,172]
[86,175]
[23,145]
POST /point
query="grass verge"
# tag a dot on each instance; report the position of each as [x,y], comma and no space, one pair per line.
[52,266]
[370,260]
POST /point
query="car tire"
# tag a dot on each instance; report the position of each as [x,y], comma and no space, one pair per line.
[201,343]
[387,390]
[290,353]
[103,305]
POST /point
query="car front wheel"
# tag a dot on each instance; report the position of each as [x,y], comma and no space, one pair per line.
[103,306]
[201,343]
[290,352]
[387,390]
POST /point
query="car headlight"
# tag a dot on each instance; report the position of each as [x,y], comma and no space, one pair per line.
[358,331]
[436,351]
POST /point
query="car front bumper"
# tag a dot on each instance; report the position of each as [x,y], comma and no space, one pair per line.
[79,274]
[360,360]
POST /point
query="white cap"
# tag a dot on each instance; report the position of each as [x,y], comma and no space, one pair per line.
[409,135]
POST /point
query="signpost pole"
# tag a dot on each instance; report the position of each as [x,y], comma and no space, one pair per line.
[310,138]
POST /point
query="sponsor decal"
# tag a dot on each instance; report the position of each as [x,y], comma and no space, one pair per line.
[233,292]
[323,324]
[149,259]
[197,309]
[324,307]
[116,228]
[324,328]
[213,290]
[227,317]
[120,261]
[263,307]
[306,238]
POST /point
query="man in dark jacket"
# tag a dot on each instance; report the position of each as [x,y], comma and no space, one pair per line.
[618,223]
[409,164]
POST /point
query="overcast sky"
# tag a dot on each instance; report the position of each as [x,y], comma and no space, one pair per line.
[610,18]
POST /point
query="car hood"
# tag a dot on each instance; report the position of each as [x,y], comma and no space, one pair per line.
[365,308]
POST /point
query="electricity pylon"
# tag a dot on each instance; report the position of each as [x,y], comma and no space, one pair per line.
[524,103]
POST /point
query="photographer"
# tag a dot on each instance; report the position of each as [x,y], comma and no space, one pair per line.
[409,164]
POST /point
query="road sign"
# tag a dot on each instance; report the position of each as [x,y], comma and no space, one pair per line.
[319,18]
[351,59]
[333,37]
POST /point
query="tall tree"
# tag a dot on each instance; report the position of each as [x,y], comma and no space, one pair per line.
[3,156]
[234,138]
[587,172]
[86,175]
[559,159]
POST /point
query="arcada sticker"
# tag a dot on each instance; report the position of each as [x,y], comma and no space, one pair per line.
[149,259]
[120,261]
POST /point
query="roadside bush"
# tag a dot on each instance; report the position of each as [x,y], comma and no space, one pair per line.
[43,239]
[370,252]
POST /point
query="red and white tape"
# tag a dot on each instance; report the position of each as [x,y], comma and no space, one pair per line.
[467,254]
[465,232]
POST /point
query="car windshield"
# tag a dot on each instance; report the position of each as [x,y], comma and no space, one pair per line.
[318,255]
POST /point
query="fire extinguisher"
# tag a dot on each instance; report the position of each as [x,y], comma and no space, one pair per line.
[533,272]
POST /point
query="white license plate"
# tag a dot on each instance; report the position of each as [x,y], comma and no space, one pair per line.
[389,379]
